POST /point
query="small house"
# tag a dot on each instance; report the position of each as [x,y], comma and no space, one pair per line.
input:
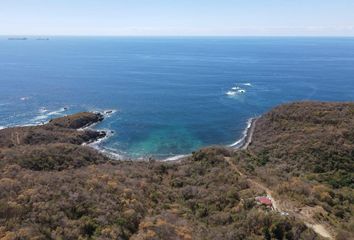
[264,201]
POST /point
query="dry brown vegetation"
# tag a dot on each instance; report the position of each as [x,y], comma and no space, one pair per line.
[51,187]
[305,151]
[61,130]
[200,198]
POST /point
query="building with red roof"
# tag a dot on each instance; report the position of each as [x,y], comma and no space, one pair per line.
[264,201]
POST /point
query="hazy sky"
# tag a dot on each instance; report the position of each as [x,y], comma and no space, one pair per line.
[177,17]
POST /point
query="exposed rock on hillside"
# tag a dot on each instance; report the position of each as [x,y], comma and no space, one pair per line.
[61,130]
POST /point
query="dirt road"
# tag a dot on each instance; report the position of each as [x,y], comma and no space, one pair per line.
[283,206]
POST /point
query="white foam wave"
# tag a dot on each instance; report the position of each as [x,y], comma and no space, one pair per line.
[244,134]
[40,118]
[176,158]
[108,135]
[111,153]
[24,98]
[248,84]
[235,92]
[57,112]
[42,110]
[105,112]
[231,93]
[45,115]
[108,112]
[25,125]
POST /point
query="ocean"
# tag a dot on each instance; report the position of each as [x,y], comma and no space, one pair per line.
[169,95]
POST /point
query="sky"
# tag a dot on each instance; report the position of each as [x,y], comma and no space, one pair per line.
[177,17]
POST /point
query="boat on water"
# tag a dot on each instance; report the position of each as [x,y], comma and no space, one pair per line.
[17,39]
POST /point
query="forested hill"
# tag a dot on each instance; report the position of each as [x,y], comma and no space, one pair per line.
[53,187]
[305,152]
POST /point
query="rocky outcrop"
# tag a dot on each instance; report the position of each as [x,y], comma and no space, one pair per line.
[76,121]
[60,130]
[56,145]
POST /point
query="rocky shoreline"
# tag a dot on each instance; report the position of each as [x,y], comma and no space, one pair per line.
[59,130]
[76,128]
[56,145]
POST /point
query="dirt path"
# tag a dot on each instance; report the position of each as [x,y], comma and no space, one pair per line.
[283,206]
[18,138]
[320,229]
[15,138]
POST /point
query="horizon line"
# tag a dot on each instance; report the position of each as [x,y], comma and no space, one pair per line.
[175,36]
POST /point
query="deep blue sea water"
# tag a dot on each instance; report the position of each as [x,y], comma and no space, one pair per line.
[169,93]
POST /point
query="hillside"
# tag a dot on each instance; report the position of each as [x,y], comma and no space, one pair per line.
[305,153]
[52,187]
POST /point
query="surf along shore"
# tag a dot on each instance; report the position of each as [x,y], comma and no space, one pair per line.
[242,143]
[59,130]
[78,129]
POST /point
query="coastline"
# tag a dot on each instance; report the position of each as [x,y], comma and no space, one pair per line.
[240,144]
[63,130]
[110,153]
[246,139]
[47,163]
[104,134]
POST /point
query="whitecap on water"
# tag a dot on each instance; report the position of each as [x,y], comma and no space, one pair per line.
[231,93]
[235,92]
[24,98]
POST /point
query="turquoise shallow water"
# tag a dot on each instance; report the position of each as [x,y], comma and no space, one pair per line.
[170,93]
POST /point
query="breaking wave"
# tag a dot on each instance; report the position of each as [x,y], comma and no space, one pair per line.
[239,142]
